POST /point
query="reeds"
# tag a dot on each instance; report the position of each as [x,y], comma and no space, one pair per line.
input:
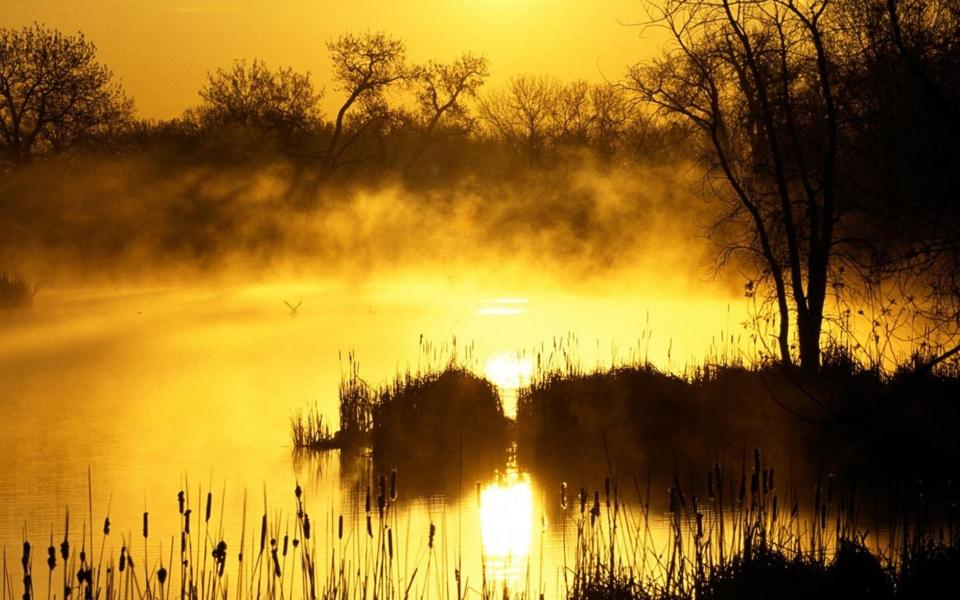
[310,431]
[740,532]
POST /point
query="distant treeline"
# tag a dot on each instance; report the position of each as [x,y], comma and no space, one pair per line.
[425,121]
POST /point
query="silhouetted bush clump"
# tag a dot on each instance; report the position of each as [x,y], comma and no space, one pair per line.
[423,423]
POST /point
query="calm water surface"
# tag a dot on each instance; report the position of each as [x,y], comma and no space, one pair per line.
[153,390]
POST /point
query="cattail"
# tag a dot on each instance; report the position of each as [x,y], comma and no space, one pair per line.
[606,491]
[51,557]
[26,555]
[286,539]
[106,526]
[297,491]
[146,525]
[583,500]
[123,558]
[390,542]
[263,532]
[183,542]
[433,531]
[383,486]
[563,495]
[209,507]
[369,526]
[306,527]
[366,504]
[340,528]
[393,485]
[181,500]
[186,521]
[220,554]
[276,563]
[65,549]
[162,575]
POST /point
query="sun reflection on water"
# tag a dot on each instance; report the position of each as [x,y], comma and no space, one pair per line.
[506,525]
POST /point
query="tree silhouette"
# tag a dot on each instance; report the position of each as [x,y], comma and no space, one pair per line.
[254,96]
[442,89]
[522,115]
[364,66]
[757,81]
[54,93]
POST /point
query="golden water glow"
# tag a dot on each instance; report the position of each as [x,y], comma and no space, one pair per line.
[506,525]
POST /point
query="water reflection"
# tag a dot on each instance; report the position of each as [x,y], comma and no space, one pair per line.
[506,523]
[509,371]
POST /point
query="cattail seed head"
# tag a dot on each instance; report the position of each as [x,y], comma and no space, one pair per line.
[161,575]
[106,526]
[146,525]
[181,501]
[186,520]
[340,528]
[433,531]
[263,532]
[209,507]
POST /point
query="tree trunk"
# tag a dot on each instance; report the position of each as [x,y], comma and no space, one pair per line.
[808,336]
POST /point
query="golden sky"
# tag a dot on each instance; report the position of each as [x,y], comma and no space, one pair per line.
[162,49]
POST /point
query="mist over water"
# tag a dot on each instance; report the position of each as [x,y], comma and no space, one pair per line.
[162,354]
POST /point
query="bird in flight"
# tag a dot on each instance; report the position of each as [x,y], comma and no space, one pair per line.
[293,309]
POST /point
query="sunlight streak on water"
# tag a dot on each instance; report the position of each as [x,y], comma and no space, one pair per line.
[506,523]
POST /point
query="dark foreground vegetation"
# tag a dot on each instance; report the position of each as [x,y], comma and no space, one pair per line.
[859,423]
[442,427]
[748,533]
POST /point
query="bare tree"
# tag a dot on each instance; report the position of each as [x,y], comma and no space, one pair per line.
[522,115]
[573,113]
[280,101]
[442,89]
[756,79]
[54,93]
[364,66]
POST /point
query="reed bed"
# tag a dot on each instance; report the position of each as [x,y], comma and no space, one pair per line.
[746,534]
[310,431]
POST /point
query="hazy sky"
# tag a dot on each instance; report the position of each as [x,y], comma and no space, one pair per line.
[162,49]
